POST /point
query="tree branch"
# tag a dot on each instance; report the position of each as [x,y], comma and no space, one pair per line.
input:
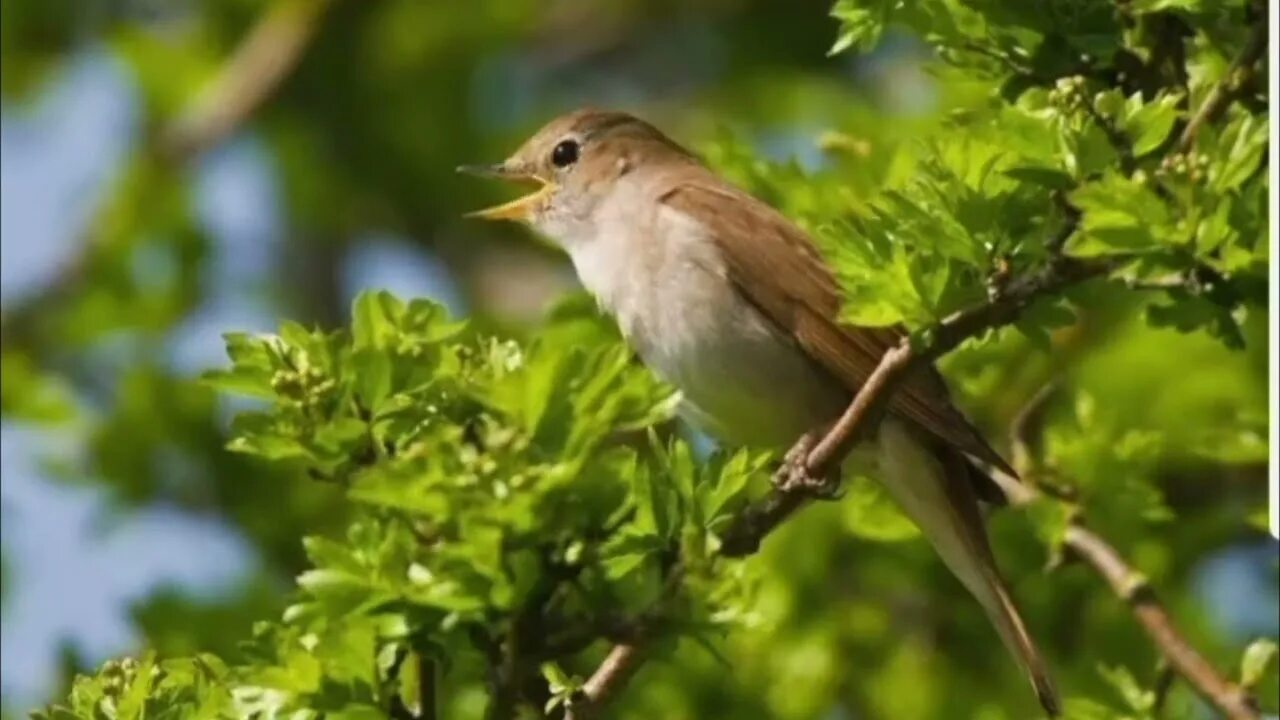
[1127,583]
[624,659]
[500,678]
[427,689]
[246,79]
[615,670]
[1237,77]
[758,519]
[1131,587]
[1165,676]
[263,60]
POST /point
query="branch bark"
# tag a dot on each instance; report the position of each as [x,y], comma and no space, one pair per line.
[758,519]
[1127,583]
[1130,586]
[615,670]
[624,659]
[428,705]
[263,60]
[245,81]
[1239,76]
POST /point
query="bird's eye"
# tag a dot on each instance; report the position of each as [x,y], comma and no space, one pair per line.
[565,153]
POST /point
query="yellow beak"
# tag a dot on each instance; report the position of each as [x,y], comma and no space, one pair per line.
[519,209]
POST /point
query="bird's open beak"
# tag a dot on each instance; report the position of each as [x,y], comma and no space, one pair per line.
[519,209]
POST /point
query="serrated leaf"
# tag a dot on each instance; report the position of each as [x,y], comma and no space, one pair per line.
[732,480]
[1148,124]
[861,24]
[1119,215]
[1248,144]
[654,501]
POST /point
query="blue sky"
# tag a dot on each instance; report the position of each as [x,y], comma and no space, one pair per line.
[76,567]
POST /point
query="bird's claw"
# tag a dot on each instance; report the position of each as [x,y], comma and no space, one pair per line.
[794,476]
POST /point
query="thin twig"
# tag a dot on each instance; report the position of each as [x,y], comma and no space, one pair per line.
[624,659]
[614,672]
[1128,584]
[428,708]
[502,682]
[1234,81]
[1165,675]
[758,519]
[1021,455]
[1116,137]
[1171,282]
[263,60]
[246,79]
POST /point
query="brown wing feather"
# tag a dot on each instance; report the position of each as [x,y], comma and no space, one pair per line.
[783,275]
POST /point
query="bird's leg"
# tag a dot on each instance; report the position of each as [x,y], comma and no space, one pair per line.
[794,476]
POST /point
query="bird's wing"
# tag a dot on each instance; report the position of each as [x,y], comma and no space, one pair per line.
[776,267]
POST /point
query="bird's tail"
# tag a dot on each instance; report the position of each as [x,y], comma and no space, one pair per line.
[919,479]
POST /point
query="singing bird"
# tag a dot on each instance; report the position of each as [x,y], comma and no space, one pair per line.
[730,302]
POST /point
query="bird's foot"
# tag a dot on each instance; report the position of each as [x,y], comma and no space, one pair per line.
[793,476]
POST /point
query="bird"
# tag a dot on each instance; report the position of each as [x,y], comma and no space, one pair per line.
[730,302]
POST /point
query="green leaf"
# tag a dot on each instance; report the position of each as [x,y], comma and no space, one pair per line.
[1123,682]
[1119,215]
[1050,518]
[870,513]
[1189,313]
[240,381]
[731,481]
[557,678]
[28,394]
[627,551]
[1038,320]
[269,447]
[372,369]
[1148,124]
[861,23]
[1260,519]
[655,500]
[1051,178]
[1082,708]
[1257,658]
[132,702]
[374,319]
[1154,6]
[1246,144]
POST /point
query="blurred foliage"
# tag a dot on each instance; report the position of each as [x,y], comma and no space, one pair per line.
[490,502]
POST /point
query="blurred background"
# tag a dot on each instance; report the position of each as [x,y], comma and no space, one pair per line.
[175,169]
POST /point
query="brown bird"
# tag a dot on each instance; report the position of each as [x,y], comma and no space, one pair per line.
[730,302]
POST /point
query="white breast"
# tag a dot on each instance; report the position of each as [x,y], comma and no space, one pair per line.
[663,279]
